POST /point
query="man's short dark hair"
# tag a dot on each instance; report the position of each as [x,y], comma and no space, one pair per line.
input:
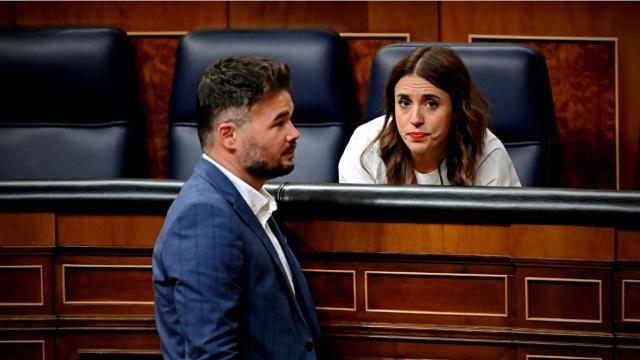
[232,85]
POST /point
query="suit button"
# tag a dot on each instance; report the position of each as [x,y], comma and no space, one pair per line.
[308,346]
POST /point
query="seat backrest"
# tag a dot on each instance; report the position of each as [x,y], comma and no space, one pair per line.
[70,105]
[322,91]
[514,80]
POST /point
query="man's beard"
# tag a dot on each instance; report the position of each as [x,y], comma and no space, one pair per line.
[254,163]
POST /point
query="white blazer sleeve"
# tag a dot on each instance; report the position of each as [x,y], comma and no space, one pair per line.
[497,170]
[351,168]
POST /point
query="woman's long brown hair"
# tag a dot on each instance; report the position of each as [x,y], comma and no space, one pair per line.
[444,69]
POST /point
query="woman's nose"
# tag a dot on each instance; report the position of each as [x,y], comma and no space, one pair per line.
[417,117]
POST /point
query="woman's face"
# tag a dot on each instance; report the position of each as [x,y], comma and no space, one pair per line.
[423,115]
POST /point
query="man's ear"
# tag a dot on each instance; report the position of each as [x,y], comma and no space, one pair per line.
[227,133]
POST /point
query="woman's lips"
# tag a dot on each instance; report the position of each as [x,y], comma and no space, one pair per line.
[418,135]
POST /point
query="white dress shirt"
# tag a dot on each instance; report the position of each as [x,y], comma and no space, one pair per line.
[263,205]
[494,166]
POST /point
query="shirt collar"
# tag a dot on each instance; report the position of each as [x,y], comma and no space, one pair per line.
[262,204]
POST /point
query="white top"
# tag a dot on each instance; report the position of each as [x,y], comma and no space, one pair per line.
[494,167]
[263,205]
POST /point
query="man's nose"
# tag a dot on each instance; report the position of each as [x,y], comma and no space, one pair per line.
[292,133]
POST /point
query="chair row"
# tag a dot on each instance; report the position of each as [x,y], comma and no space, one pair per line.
[72,109]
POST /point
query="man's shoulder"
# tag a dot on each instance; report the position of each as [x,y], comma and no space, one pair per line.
[198,192]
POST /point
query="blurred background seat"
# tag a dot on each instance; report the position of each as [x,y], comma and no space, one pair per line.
[514,80]
[70,105]
[321,85]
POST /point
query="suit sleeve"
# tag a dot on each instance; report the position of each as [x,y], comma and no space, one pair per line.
[204,256]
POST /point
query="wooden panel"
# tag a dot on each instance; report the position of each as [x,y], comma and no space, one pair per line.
[630,300]
[563,300]
[533,18]
[562,296]
[489,273]
[589,19]
[130,16]
[21,285]
[155,63]
[129,345]
[25,285]
[332,289]
[119,285]
[108,230]
[28,229]
[338,16]
[362,49]
[627,355]
[335,236]
[103,284]
[6,13]
[562,242]
[579,70]
[628,245]
[436,293]
[381,347]
[551,353]
[391,16]
[22,349]
[100,354]
[560,357]
[626,306]
[476,240]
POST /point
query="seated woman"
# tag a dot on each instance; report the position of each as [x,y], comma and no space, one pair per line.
[434,131]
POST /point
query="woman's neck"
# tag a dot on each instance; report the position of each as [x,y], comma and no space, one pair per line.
[428,162]
[426,168]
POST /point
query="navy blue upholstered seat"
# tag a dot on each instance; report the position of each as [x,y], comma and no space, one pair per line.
[70,105]
[514,80]
[322,91]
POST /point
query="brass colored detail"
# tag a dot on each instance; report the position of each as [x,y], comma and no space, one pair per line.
[156,33]
[403,36]
[64,287]
[39,267]
[533,357]
[624,302]
[471,37]
[366,295]
[567,320]
[352,272]
[118,352]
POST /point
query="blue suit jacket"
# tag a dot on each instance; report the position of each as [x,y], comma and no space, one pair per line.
[220,289]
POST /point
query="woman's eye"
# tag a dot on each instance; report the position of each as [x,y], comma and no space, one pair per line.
[403,103]
[431,104]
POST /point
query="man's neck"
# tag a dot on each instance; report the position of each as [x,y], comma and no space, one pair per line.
[231,164]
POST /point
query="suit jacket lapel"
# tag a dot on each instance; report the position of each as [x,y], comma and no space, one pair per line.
[218,180]
[303,293]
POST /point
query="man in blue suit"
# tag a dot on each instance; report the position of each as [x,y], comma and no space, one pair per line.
[226,283]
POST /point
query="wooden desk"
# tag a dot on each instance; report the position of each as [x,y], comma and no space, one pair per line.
[396,272]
